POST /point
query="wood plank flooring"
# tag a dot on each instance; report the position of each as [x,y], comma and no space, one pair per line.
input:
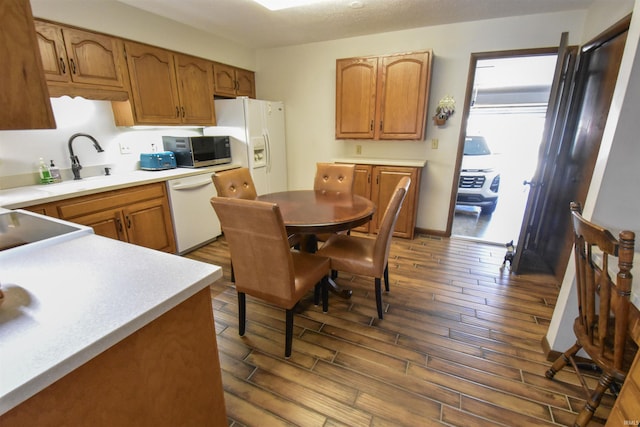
[459,346]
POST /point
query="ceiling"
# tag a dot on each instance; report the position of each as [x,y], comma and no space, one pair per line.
[251,25]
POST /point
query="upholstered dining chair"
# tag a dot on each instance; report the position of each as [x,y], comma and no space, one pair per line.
[336,177]
[235,183]
[265,266]
[364,255]
[601,328]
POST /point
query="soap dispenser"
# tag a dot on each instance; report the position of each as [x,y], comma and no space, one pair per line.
[55,173]
[44,173]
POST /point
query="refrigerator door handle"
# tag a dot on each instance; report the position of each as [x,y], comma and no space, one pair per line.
[267,144]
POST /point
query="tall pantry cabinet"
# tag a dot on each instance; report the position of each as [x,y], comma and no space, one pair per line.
[23,90]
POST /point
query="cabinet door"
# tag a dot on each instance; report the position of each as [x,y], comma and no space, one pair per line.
[362,187]
[153,84]
[52,52]
[93,58]
[107,223]
[149,224]
[402,94]
[23,89]
[356,97]
[385,180]
[245,83]
[195,83]
[224,80]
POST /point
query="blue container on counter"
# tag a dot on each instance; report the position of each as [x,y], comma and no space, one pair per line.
[158,161]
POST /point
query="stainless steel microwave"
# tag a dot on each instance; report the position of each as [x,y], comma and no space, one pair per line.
[198,151]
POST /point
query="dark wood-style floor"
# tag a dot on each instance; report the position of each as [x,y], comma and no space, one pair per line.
[460,345]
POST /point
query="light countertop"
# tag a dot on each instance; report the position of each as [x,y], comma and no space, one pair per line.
[67,302]
[386,162]
[21,197]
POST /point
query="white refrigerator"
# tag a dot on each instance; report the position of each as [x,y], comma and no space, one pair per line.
[257,132]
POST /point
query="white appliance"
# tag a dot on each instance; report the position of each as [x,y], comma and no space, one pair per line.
[194,220]
[257,132]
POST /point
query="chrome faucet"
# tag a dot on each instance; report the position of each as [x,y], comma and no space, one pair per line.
[75,163]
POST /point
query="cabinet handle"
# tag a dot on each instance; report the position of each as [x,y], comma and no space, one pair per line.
[119,225]
[182,112]
[236,85]
[371,126]
[177,111]
[63,67]
[369,179]
[73,65]
[380,125]
[128,221]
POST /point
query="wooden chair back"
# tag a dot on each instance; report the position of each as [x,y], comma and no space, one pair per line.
[235,183]
[336,177]
[603,303]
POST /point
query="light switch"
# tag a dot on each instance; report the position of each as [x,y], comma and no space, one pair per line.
[434,143]
[358,149]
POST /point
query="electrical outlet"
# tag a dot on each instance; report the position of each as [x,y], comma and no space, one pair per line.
[125,148]
[434,143]
[358,149]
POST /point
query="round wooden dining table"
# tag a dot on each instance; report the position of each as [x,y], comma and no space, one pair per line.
[311,212]
[315,211]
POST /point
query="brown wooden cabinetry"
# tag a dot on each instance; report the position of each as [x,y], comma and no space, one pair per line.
[232,81]
[82,63]
[383,97]
[23,90]
[167,88]
[148,384]
[377,182]
[138,215]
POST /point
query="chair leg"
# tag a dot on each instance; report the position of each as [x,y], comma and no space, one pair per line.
[325,294]
[386,277]
[316,293]
[379,297]
[334,274]
[288,333]
[592,404]
[242,312]
[562,361]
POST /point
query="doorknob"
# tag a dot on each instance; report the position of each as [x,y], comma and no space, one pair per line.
[531,183]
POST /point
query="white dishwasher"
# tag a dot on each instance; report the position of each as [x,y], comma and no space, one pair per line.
[194,221]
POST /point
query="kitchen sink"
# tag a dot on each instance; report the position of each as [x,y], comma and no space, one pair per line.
[20,229]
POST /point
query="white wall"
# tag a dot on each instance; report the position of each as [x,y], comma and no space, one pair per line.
[303,77]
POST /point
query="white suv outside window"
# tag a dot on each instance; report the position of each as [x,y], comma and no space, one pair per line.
[479,180]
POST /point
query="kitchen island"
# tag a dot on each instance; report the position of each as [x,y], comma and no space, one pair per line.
[94,331]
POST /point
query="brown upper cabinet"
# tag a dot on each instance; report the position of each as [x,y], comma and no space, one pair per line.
[231,81]
[77,62]
[383,97]
[167,88]
[23,90]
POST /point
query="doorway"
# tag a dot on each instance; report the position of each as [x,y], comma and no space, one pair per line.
[507,107]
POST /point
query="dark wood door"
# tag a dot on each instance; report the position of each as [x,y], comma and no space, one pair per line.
[570,162]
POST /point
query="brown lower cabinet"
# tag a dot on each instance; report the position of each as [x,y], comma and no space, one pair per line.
[165,374]
[377,182]
[138,215]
